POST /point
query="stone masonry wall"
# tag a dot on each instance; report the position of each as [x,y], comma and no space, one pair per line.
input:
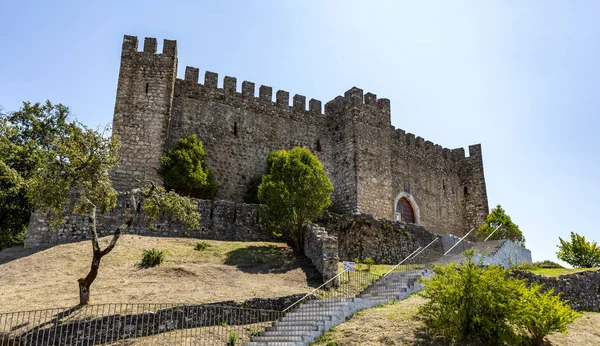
[322,250]
[219,220]
[143,110]
[385,241]
[582,289]
[369,162]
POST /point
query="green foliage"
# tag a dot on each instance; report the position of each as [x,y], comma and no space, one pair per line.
[251,195]
[233,338]
[472,304]
[157,202]
[201,246]
[469,304]
[256,332]
[331,343]
[369,262]
[538,314]
[578,252]
[152,257]
[538,265]
[24,136]
[75,169]
[506,228]
[293,192]
[184,170]
[548,264]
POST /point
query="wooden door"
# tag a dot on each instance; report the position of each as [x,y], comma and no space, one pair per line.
[404,209]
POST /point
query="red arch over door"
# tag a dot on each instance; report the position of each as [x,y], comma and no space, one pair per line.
[405,210]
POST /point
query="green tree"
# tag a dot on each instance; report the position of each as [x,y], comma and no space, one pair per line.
[24,136]
[75,170]
[470,304]
[184,170]
[538,313]
[293,192]
[578,252]
[505,229]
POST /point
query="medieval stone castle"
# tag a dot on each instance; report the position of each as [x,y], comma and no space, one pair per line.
[375,168]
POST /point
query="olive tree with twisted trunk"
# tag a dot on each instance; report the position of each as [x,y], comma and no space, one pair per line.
[74,177]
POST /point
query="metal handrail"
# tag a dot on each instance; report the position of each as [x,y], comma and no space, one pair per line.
[458,242]
[404,260]
[313,291]
[433,241]
[494,231]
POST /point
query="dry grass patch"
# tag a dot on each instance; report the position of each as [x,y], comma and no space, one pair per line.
[397,324]
[222,271]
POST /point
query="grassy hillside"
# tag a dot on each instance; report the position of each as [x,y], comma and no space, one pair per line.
[222,271]
[396,324]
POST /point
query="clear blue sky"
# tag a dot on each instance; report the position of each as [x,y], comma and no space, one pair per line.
[520,77]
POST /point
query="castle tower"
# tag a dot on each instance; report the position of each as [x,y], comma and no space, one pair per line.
[359,126]
[474,190]
[143,109]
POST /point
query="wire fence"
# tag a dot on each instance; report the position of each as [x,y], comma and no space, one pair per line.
[177,324]
[135,324]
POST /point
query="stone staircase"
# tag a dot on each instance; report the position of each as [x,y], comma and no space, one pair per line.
[311,319]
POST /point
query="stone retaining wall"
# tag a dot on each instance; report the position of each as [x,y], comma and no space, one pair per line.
[581,289]
[386,242]
[322,250]
[219,220]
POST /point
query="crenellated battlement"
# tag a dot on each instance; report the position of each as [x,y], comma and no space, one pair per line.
[410,140]
[230,90]
[355,97]
[369,161]
[130,46]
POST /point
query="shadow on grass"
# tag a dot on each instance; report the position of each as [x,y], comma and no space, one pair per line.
[270,259]
[17,252]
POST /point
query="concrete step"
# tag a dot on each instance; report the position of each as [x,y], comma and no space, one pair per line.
[298,323]
[309,328]
[252,343]
[281,339]
[292,333]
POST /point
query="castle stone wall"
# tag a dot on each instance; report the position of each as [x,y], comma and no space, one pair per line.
[143,110]
[385,241]
[219,220]
[368,161]
[581,290]
[322,250]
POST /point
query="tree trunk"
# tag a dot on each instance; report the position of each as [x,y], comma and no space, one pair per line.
[85,283]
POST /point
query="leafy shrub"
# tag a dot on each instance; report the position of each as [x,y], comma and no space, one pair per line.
[548,264]
[293,192]
[152,257]
[201,246]
[256,332]
[538,314]
[578,252]
[357,263]
[184,170]
[469,304]
[369,262]
[472,304]
[233,337]
[331,343]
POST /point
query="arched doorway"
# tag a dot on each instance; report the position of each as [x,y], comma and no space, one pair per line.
[405,211]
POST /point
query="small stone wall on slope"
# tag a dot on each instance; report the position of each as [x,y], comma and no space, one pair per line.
[322,250]
[582,289]
[508,254]
[219,220]
[385,241]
